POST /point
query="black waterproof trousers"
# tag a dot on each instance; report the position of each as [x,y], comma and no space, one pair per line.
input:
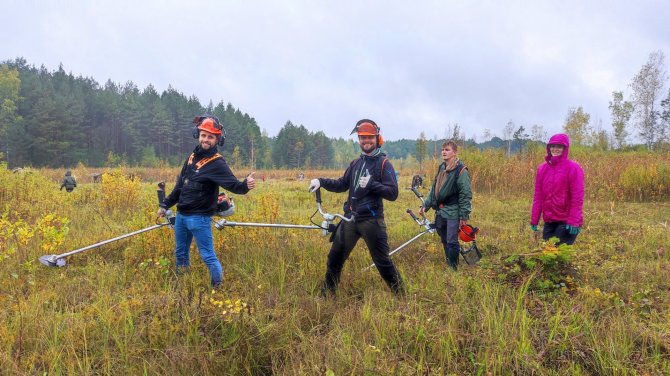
[373,232]
[557,229]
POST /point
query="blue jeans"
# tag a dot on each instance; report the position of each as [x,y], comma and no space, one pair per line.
[199,226]
[448,231]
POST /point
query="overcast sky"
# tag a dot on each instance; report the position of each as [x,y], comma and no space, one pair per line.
[411,66]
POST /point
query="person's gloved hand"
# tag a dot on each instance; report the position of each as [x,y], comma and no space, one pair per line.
[573,230]
[363,181]
[533,227]
[314,184]
[161,212]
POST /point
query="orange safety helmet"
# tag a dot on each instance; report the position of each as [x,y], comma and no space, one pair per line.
[467,233]
[367,127]
[211,124]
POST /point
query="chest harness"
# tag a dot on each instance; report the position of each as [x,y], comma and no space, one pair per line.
[203,161]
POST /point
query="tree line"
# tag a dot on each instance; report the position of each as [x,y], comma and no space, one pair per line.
[56,119]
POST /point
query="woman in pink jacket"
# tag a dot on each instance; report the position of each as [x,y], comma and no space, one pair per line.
[559,193]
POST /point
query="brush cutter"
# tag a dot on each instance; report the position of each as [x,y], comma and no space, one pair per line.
[326,226]
[59,260]
[225,207]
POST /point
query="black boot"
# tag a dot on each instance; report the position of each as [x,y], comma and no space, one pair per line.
[329,285]
[396,284]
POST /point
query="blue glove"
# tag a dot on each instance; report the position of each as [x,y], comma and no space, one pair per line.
[573,230]
[533,227]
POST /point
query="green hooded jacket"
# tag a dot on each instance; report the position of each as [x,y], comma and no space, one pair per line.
[455,195]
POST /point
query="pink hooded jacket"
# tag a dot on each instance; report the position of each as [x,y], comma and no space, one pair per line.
[559,188]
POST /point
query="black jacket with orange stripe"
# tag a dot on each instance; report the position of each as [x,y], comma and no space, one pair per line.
[196,190]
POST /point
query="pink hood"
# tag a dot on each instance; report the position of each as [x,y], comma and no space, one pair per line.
[558,139]
[559,187]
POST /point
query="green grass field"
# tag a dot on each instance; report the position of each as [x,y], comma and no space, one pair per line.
[601,307]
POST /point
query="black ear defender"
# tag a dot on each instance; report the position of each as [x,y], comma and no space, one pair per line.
[214,125]
[222,138]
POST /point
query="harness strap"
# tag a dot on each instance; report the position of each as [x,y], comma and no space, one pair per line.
[203,162]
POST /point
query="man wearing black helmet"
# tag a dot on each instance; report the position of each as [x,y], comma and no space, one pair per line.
[369,179]
[196,193]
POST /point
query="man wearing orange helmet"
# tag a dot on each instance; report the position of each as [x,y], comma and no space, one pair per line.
[451,197]
[369,179]
[196,194]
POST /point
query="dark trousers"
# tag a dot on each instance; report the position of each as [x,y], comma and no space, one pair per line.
[448,231]
[557,229]
[373,232]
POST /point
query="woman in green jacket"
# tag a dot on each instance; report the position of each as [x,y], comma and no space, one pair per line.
[451,197]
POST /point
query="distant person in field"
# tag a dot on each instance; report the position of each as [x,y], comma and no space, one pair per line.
[417,181]
[369,179]
[69,182]
[559,193]
[196,194]
[451,198]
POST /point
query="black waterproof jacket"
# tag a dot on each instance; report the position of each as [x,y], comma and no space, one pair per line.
[196,191]
[69,182]
[366,202]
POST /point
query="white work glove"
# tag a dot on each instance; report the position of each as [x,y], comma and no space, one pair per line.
[161,212]
[314,184]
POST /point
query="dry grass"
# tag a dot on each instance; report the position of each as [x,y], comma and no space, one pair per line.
[120,309]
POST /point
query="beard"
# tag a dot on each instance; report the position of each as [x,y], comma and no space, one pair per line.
[368,147]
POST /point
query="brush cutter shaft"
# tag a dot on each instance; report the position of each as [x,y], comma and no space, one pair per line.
[62,255]
[220,224]
[403,245]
